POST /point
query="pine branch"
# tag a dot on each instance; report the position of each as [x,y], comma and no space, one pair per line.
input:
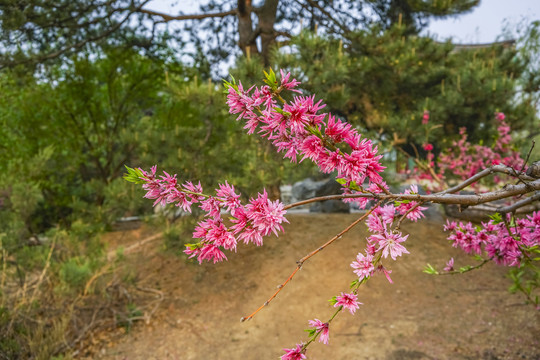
[167,17]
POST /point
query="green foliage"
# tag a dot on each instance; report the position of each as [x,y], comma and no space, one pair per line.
[383,80]
[75,273]
[98,106]
[526,278]
[132,313]
[40,32]
[179,233]
[414,13]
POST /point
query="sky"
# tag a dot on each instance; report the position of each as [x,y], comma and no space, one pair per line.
[487,21]
[484,24]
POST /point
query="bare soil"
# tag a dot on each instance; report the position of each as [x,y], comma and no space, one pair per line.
[420,316]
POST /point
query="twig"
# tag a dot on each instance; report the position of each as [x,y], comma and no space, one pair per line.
[133,246]
[493,169]
[329,16]
[103,271]
[355,291]
[471,268]
[519,204]
[415,151]
[528,156]
[398,225]
[527,159]
[45,268]
[428,168]
[507,225]
[302,260]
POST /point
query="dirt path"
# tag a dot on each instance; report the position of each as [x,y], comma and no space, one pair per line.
[471,316]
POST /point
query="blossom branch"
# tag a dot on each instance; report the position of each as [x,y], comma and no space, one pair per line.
[462,270]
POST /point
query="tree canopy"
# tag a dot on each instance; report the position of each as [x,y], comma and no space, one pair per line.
[40,31]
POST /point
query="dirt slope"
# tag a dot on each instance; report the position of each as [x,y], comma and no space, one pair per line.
[471,316]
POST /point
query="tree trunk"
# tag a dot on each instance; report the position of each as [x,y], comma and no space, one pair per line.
[267,19]
[246,40]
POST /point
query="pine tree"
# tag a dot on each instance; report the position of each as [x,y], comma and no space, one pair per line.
[384,80]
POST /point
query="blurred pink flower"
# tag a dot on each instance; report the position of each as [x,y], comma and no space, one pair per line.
[425,117]
[449,265]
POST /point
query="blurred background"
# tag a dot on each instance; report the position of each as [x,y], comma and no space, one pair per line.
[89,86]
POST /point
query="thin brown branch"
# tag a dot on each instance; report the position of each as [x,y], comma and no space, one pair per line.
[526,159]
[528,156]
[519,204]
[417,154]
[398,225]
[507,225]
[328,15]
[493,169]
[167,17]
[300,262]
[438,198]
[423,166]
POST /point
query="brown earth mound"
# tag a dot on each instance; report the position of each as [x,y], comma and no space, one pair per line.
[420,316]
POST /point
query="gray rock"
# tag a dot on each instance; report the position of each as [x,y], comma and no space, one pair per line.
[330,187]
[305,189]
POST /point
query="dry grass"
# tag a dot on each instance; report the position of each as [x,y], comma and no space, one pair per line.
[44,317]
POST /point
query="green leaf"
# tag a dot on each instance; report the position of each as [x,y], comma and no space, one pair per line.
[333,300]
[428,269]
[193,246]
[352,185]
[497,218]
[231,84]
[270,79]
[478,257]
[134,175]
[281,111]
[314,130]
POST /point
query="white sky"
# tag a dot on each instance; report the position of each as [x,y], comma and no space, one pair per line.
[483,25]
[487,21]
